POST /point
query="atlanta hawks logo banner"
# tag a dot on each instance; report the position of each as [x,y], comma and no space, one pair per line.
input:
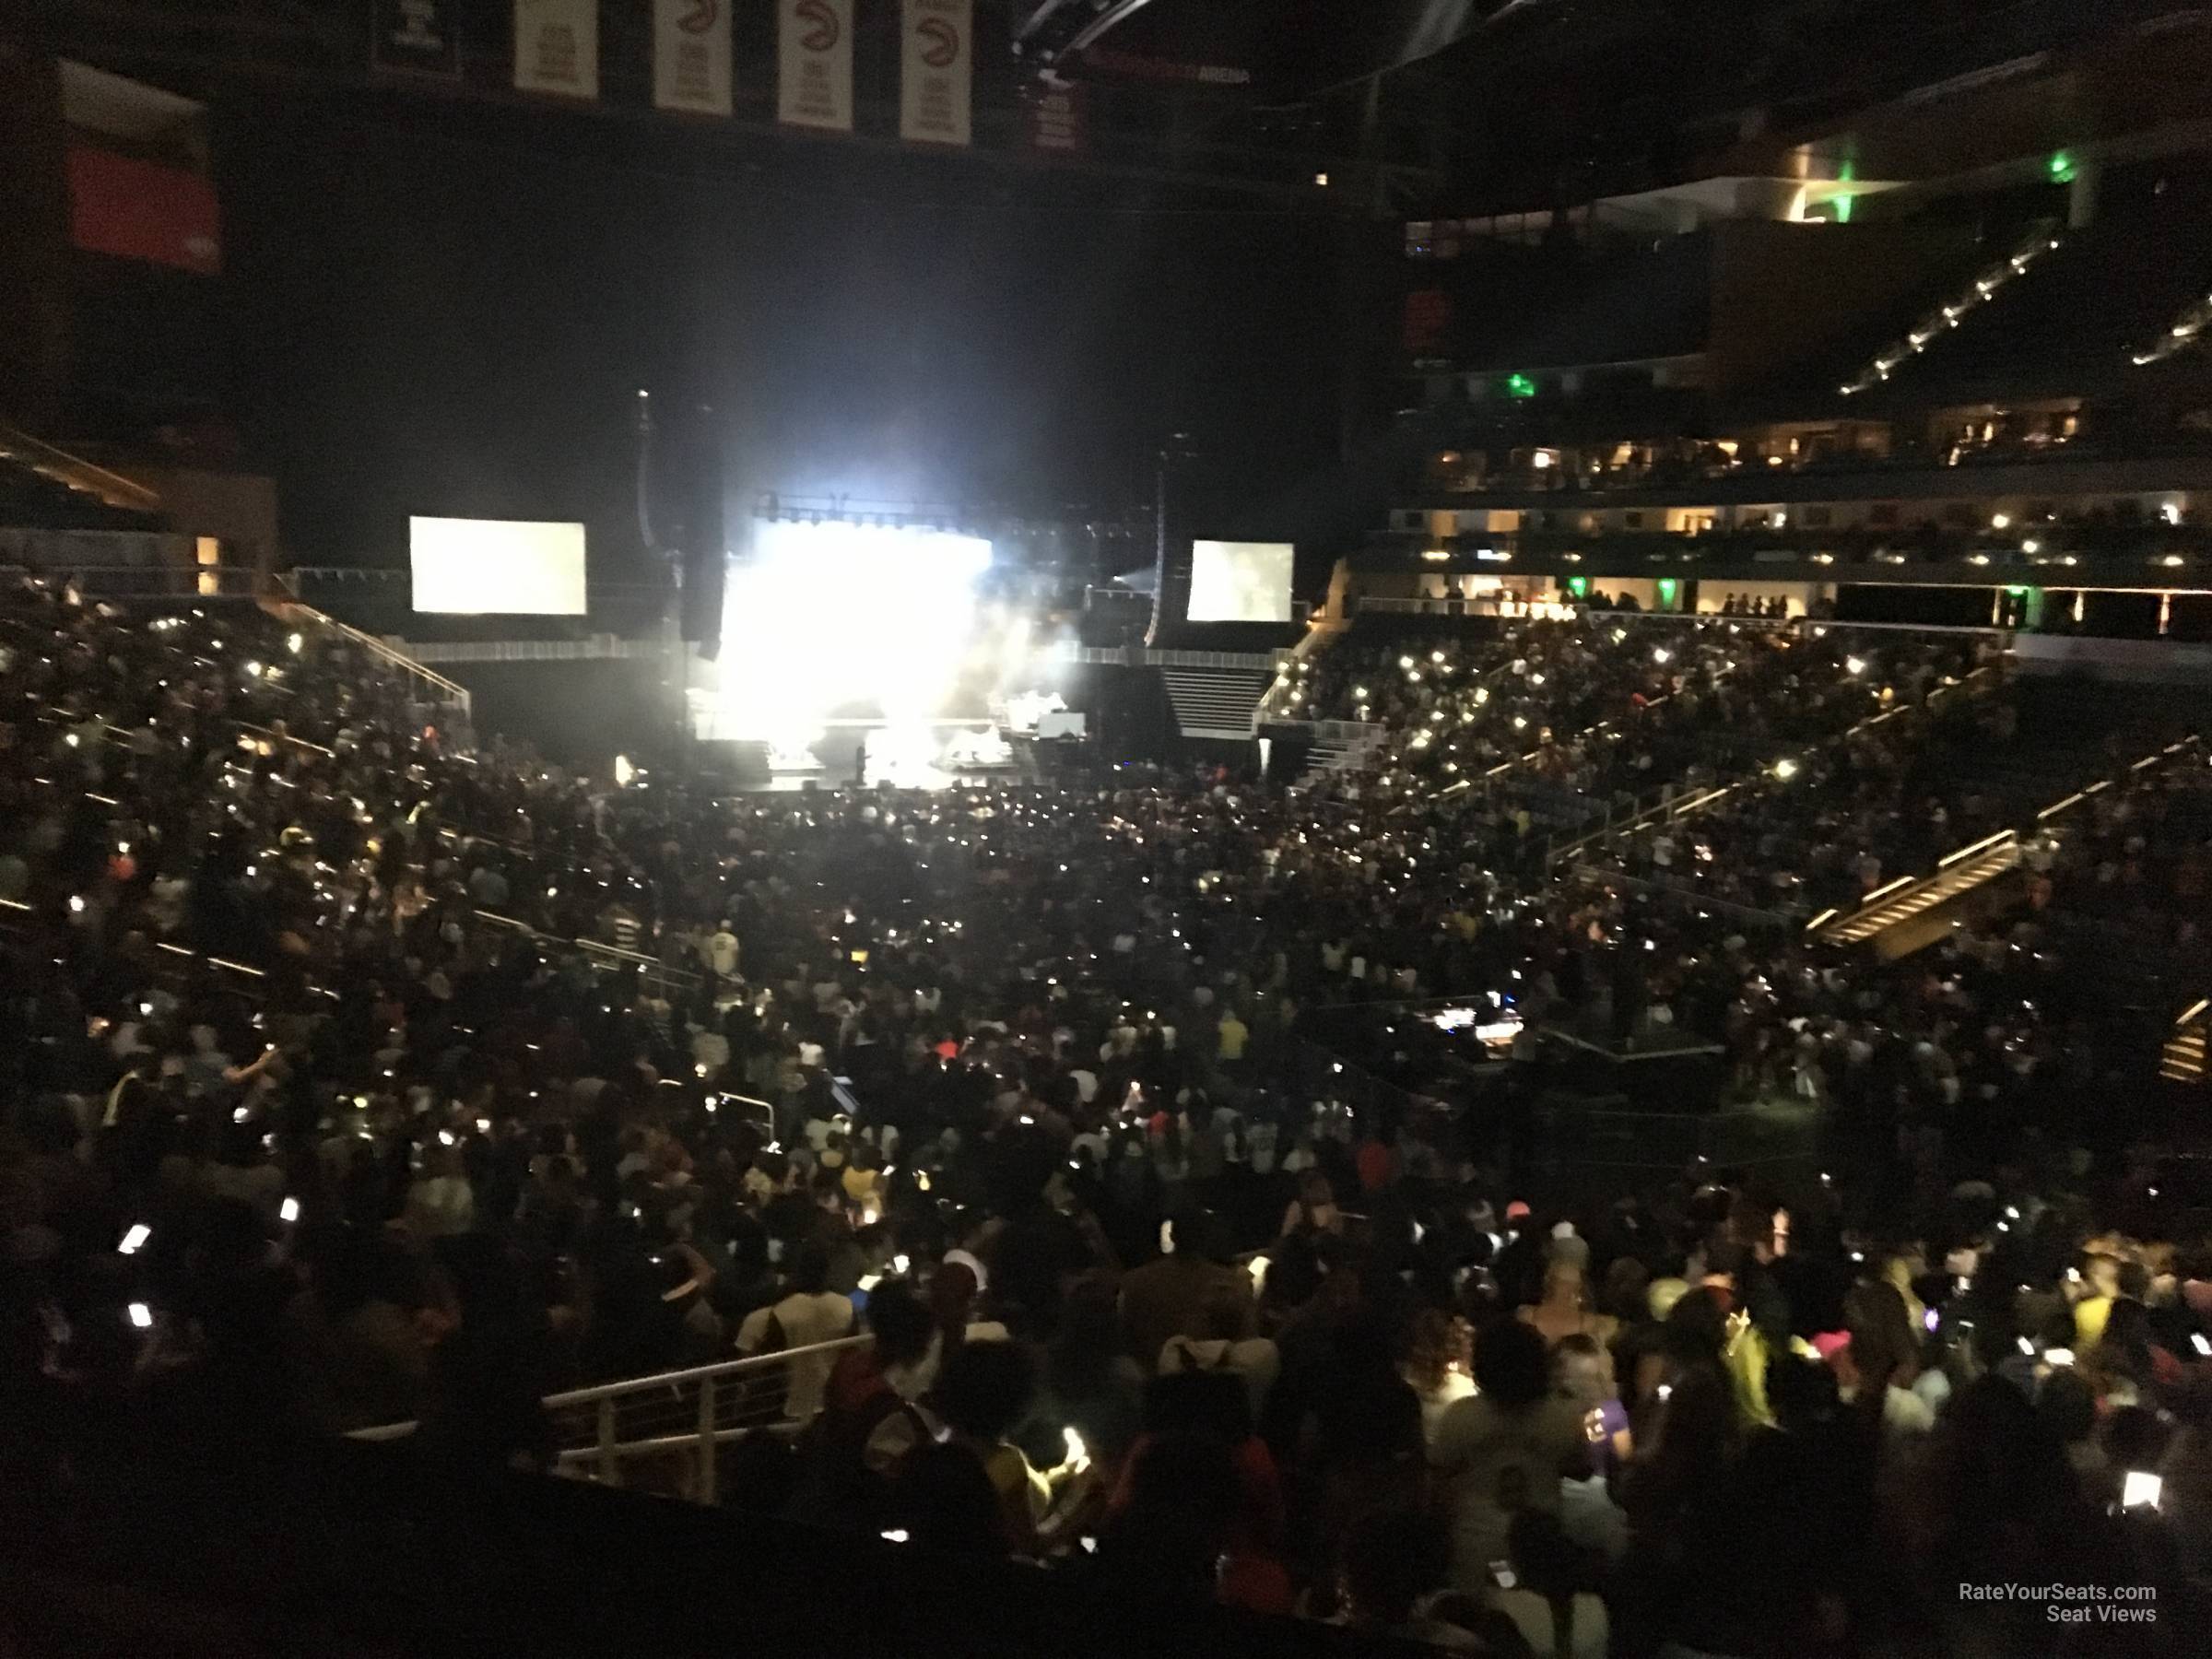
[936,71]
[813,52]
[691,56]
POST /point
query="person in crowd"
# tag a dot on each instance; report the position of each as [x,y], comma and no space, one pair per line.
[1314,1209]
[1565,1310]
[982,1394]
[1393,1564]
[1503,1450]
[1438,1365]
[1192,1291]
[808,1316]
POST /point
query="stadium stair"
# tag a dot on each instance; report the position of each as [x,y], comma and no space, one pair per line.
[1906,900]
[1321,759]
[1331,754]
[1214,703]
[2183,1059]
[1908,914]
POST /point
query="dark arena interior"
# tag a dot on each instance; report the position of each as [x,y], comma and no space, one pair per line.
[1112,826]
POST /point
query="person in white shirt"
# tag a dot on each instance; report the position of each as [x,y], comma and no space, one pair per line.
[1436,1366]
[1261,1138]
[441,1203]
[1254,1362]
[722,952]
[808,1315]
[710,1049]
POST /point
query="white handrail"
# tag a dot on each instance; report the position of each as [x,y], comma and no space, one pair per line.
[708,1418]
[298,610]
[697,1374]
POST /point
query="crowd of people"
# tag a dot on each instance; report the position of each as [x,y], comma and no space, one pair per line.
[1828,824]
[1606,710]
[356,1075]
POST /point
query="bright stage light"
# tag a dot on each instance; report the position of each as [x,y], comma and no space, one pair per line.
[873,618]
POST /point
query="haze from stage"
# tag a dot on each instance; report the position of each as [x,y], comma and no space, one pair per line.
[504,567]
[1240,582]
[874,621]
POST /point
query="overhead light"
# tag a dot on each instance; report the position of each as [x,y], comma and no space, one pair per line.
[1321,180]
[1998,520]
[1785,768]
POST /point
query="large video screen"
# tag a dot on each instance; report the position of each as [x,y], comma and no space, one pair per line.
[1240,582]
[483,567]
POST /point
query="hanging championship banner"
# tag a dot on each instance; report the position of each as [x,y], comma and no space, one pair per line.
[416,36]
[557,47]
[936,71]
[1052,119]
[814,70]
[691,56]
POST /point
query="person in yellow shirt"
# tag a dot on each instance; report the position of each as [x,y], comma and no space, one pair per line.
[1232,1034]
[2096,1307]
[864,1183]
[1898,1271]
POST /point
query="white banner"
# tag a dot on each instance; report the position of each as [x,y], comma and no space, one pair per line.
[936,71]
[691,56]
[814,67]
[557,47]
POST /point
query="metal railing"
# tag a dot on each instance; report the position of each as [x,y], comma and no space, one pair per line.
[602,955]
[1666,804]
[1119,655]
[1686,894]
[435,686]
[593,648]
[664,1432]
[77,473]
[676,1421]
[1334,731]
